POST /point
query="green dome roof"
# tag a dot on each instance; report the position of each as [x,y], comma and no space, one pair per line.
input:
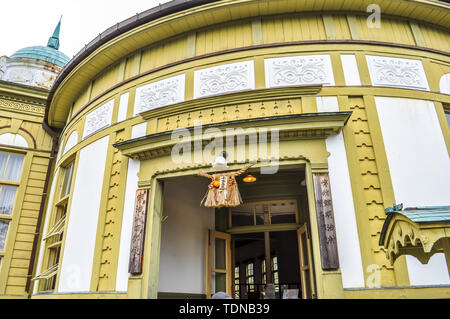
[42,53]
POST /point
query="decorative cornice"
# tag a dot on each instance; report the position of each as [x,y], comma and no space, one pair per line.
[401,236]
[21,106]
[207,168]
[290,127]
[259,95]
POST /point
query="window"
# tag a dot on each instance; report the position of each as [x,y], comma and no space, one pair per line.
[264,213]
[274,272]
[10,171]
[236,282]
[54,236]
[250,276]
[447,116]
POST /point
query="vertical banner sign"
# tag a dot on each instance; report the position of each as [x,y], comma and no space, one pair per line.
[138,232]
[325,221]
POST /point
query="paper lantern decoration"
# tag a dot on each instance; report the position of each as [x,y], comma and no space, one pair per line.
[223,190]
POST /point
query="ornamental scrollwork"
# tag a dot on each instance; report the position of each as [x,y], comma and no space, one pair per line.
[98,119]
[160,93]
[223,79]
[397,72]
[299,70]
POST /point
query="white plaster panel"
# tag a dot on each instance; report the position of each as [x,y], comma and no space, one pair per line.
[71,141]
[139,130]
[418,162]
[350,260]
[432,273]
[225,78]
[299,70]
[444,84]
[29,75]
[351,71]
[397,72]
[123,107]
[13,140]
[160,93]
[183,235]
[45,228]
[98,119]
[127,224]
[327,104]
[77,260]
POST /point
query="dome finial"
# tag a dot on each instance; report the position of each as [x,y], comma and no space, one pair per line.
[53,41]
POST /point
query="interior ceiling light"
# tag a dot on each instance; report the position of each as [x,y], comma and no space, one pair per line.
[249,178]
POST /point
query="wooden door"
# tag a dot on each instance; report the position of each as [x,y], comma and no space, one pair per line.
[218,263]
[306,268]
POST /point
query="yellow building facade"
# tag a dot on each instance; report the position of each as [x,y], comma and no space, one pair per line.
[342,112]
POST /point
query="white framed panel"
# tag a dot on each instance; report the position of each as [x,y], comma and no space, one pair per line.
[160,93]
[298,70]
[78,254]
[98,119]
[225,78]
[397,72]
[123,107]
[350,68]
[419,167]
[71,141]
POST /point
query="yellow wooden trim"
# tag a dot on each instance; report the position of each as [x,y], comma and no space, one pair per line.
[53,212]
[14,222]
[418,37]
[191,44]
[353,27]
[50,272]
[98,248]
[281,50]
[380,151]
[328,22]
[257,35]
[359,201]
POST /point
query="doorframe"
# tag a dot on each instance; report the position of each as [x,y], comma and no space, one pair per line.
[146,284]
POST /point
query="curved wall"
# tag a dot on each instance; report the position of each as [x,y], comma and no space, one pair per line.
[170,83]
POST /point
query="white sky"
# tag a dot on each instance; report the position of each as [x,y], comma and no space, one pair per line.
[26,23]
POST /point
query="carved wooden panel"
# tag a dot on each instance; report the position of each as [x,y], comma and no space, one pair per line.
[138,232]
[325,221]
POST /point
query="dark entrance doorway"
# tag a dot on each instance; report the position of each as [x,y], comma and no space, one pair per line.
[250,265]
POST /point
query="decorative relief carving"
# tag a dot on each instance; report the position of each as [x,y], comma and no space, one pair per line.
[397,72]
[228,113]
[299,70]
[160,93]
[98,119]
[19,106]
[224,79]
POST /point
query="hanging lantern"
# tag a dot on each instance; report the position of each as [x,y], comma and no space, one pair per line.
[249,178]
